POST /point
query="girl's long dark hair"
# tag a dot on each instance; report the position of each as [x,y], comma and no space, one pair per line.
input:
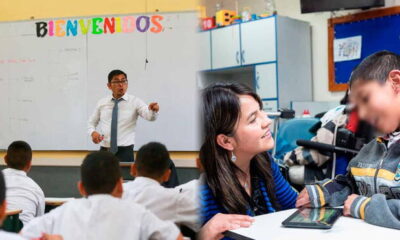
[221,112]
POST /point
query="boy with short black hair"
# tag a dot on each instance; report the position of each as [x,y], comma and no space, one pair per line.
[101,215]
[3,206]
[371,190]
[22,192]
[5,235]
[151,168]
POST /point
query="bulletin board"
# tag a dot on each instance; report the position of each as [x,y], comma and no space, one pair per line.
[376,29]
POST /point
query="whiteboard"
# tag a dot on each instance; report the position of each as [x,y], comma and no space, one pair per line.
[50,86]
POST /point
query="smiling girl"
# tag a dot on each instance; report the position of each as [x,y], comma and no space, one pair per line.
[240,177]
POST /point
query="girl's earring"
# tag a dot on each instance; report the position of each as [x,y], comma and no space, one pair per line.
[233,158]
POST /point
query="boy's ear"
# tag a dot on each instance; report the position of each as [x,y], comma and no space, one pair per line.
[118,189]
[225,142]
[6,159]
[394,78]
[109,85]
[133,170]
[166,175]
[199,165]
[81,189]
[28,166]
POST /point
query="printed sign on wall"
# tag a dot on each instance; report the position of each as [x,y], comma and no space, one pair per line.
[346,49]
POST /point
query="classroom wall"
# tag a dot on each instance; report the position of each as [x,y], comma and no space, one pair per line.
[13,10]
[319,32]
[319,36]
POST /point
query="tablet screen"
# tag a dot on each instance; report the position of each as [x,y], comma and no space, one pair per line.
[313,217]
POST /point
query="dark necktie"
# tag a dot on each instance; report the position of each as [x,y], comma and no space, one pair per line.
[114,126]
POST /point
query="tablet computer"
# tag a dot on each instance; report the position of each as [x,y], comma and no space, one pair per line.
[320,218]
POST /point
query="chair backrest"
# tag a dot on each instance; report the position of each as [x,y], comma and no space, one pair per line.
[12,223]
[290,131]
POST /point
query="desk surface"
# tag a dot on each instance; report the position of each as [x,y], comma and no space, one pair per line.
[13,212]
[57,201]
[269,227]
[76,162]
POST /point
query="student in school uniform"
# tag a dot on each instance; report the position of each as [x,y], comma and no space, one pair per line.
[22,192]
[5,235]
[172,204]
[3,206]
[370,189]
[101,214]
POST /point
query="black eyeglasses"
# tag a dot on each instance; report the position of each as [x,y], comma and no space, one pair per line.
[123,82]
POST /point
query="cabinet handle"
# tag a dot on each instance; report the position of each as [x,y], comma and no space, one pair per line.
[243,59]
[237,57]
[257,81]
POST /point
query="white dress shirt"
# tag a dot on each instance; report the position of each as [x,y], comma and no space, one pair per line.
[129,109]
[101,217]
[23,193]
[10,236]
[170,204]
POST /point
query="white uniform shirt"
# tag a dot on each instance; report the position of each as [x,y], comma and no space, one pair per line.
[101,217]
[10,236]
[129,109]
[23,193]
[170,204]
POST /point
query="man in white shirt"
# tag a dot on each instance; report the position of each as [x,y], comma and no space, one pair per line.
[22,192]
[113,122]
[172,204]
[102,214]
[3,205]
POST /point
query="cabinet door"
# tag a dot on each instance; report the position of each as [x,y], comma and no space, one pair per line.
[225,47]
[266,80]
[205,50]
[258,41]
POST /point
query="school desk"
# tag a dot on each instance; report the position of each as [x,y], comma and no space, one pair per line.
[52,203]
[269,227]
[58,176]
